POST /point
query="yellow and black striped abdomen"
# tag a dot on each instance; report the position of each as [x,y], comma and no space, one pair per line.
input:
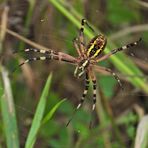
[96,46]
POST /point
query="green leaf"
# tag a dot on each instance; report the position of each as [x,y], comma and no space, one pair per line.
[38,115]
[52,111]
[8,111]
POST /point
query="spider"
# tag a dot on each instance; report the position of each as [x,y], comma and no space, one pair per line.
[88,57]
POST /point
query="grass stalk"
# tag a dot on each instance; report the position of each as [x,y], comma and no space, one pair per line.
[37,120]
[8,112]
[6,98]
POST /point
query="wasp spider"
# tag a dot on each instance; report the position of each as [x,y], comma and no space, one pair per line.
[88,57]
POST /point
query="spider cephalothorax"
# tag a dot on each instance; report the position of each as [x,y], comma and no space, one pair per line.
[88,56]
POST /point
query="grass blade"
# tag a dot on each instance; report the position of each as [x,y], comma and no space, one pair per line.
[52,111]
[8,112]
[36,123]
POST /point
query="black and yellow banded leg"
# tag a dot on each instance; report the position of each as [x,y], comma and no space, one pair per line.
[94,83]
[94,86]
[35,50]
[47,57]
[81,37]
[82,98]
[76,45]
[115,76]
[94,94]
[126,46]
[42,58]
[36,59]
[84,92]
[117,50]
[84,22]
[112,73]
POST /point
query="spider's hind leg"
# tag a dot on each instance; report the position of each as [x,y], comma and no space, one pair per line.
[82,98]
[94,83]
[104,69]
[84,92]
[94,94]
[115,76]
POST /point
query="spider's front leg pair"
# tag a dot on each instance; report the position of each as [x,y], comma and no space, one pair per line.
[81,49]
[79,42]
[47,55]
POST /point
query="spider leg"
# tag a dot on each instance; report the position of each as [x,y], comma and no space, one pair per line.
[81,36]
[82,98]
[41,58]
[34,50]
[76,45]
[94,94]
[59,56]
[85,91]
[117,50]
[83,22]
[110,72]
[94,83]
[93,78]
[79,42]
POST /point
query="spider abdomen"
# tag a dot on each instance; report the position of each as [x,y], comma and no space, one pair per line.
[96,46]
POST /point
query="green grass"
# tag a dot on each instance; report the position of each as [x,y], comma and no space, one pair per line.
[7,106]
[38,119]
[8,112]
[9,116]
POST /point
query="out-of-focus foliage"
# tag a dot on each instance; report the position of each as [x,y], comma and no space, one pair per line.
[116,14]
[118,112]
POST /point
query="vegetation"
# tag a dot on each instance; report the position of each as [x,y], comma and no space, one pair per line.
[31,109]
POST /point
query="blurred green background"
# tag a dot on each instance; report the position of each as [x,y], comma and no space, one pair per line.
[33,110]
